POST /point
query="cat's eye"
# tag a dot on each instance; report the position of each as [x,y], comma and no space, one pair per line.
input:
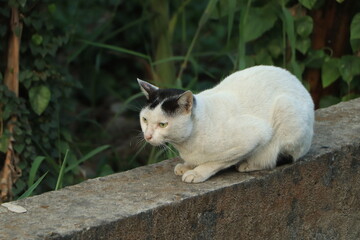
[144,120]
[163,125]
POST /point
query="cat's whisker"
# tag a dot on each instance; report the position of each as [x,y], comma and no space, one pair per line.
[136,106]
[166,149]
[139,140]
[162,149]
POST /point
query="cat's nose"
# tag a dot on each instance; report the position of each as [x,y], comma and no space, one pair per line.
[148,137]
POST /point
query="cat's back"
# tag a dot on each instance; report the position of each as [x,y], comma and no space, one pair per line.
[261,83]
[261,77]
[255,90]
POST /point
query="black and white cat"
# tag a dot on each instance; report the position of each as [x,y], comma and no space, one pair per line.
[251,119]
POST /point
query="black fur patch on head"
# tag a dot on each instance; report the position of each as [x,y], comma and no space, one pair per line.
[162,94]
[170,106]
[283,159]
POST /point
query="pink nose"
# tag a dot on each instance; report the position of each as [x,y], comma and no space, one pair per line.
[148,137]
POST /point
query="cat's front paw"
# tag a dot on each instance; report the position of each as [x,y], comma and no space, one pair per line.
[193,176]
[180,169]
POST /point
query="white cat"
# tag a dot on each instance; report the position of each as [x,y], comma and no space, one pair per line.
[251,119]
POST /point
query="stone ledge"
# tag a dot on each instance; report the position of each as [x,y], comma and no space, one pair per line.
[315,198]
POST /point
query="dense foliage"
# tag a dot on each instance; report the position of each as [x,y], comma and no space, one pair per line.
[79,61]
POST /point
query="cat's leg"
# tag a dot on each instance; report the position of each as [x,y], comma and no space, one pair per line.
[294,126]
[204,171]
[264,158]
[258,133]
[292,136]
[182,168]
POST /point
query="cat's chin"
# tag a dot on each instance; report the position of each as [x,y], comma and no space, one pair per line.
[155,144]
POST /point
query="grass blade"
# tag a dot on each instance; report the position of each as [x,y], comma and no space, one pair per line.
[207,13]
[169,59]
[34,168]
[127,104]
[116,49]
[153,156]
[48,158]
[174,18]
[205,16]
[95,34]
[125,27]
[290,31]
[32,188]
[86,157]
[231,13]
[241,62]
[62,172]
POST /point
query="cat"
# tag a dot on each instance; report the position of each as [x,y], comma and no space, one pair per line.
[250,120]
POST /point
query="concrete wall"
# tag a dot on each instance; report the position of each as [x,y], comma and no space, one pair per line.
[315,198]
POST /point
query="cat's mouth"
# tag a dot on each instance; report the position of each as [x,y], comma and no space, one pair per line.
[155,143]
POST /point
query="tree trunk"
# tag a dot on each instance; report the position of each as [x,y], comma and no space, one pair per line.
[331,30]
[9,173]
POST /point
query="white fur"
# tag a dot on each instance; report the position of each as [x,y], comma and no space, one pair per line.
[248,119]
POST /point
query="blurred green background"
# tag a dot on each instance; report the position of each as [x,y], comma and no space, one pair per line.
[78,104]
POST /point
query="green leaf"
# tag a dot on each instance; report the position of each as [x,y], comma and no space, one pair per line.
[37,24]
[304,26]
[39,98]
[19,148]
[39,62]
[17,130]
[22,2]
[315,59]
[32,188]
[350,96]
[329,100]
[309,4]
[34,168]
[86,157]
[59,182]
[303,45]
[26,74]
[106,170]
[260,20]
[349,67]
[37,39]
[52,8]
[20,185]
[355,32]
[263,58]
[4,143]
[330,71]
[275,48]
[67,135]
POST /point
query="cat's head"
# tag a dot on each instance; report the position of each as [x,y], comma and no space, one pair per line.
[167,117]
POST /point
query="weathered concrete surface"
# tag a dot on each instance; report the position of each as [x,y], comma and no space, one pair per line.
[316,198]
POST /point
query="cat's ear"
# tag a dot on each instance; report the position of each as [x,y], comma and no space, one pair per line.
[147,88]
[186,101]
